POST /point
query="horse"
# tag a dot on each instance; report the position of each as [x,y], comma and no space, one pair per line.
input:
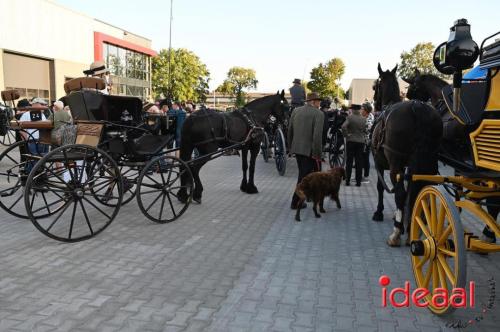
[409,135]
[208,131]
[386,93]
[429,88]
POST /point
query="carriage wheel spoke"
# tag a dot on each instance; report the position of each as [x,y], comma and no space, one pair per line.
[154,201]
[96,207]
[150,191]
[435,275]
[86,217]
[428,275]
[421,262]
[447,252]
[423,227]
[447,269]
[440,221]
[427,213]
[433,213]
[171,205]
[162,206]
[442,277]
[17,201]
[48,205]
[444,236]
[58,217]
[72,220]
[45,201]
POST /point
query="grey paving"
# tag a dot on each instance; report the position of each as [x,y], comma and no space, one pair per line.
[235,263]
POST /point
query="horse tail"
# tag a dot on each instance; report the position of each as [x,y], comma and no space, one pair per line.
[427,139]
[187,146]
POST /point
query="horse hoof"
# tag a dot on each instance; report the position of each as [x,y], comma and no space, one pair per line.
[394,239]
[322,210]
[378,216]
[252,190]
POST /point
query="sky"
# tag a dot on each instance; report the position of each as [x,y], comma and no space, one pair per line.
[284,39]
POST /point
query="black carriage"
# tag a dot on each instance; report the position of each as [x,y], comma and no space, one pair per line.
[335,142]
[74,192]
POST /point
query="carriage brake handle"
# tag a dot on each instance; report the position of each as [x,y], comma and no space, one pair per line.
[457,85]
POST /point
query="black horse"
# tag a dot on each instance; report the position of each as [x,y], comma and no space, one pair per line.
[208,131]
[455,143]
[406,141]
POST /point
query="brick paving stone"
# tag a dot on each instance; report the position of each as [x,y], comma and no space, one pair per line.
[235,262]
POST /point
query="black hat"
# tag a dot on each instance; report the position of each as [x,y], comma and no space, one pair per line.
[23,103]
[297,80]
[355,107]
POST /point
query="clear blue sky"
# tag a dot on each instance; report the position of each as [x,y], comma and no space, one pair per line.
[282,40]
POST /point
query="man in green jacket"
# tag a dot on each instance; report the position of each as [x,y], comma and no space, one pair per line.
[305,134]
[354,130]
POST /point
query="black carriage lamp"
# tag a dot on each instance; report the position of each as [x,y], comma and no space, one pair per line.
[458,53]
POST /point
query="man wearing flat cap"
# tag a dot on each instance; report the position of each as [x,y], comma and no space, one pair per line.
[298,93]
[305,134]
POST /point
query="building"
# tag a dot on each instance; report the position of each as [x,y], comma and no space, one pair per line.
[361,90]
[43,45]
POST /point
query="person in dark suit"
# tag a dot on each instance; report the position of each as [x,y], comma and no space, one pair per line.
[298,93]
[305,134]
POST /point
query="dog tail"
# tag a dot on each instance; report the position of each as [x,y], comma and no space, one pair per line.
[300,193]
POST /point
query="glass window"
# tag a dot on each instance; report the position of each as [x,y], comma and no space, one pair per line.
[122,61]
[32,93]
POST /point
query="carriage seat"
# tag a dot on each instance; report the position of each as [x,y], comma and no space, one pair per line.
[148,145]
[10,95]
[472,103]
[81,83]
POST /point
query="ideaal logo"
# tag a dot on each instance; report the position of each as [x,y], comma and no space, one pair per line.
[458,298]
[441,297]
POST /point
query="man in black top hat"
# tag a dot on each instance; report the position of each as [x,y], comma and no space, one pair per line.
[298,93]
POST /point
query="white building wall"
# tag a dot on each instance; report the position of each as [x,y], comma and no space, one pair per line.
[52,36]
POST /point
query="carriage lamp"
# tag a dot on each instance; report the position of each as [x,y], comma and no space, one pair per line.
[458,53]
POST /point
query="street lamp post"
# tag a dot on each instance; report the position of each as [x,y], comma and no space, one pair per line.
[170,82]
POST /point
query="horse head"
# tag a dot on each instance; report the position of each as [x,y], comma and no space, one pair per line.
[275,105]
[386,88]
[424,87]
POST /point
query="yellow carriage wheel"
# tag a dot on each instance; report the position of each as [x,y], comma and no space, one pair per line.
[437,246]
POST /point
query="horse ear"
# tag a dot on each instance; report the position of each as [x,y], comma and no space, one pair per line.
[417,72]
[283,93]
[394,70]
[278,92]
[408,80]
[380,71]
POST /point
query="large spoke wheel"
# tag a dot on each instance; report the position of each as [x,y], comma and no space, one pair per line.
[280,152]
[437,245]
[77,176]
[9,138]
[264,146]
[165,189]
[336,150]
[15,167]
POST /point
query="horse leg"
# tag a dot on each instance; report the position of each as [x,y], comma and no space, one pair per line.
[378,215]
[251,188]
[185,155]
[244,166]
[394,239]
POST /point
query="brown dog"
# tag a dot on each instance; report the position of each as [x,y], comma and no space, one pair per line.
[318,185]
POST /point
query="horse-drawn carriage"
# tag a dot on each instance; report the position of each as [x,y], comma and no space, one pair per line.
[274,142]
[74,192]
[468,140]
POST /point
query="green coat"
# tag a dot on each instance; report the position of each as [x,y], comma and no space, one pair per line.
[305,131]
[354,128]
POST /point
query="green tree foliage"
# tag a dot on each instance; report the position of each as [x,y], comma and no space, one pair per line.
[238,79]
[419,57]
[189,76]
[325,78]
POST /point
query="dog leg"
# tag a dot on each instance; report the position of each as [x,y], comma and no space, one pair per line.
[297,213]
[337,200]
[315,210]
[321,208]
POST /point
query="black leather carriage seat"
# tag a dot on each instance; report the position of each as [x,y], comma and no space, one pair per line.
[148,145]
[472,103]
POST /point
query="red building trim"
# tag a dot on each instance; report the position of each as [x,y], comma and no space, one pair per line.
[100,38]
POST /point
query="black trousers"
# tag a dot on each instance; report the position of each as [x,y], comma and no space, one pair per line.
[306,166]
[354,153]
[366,161]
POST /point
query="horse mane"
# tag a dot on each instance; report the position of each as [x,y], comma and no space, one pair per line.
[392,93]
[260,100]
[434,80]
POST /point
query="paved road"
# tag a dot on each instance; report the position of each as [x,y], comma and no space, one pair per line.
[235,263]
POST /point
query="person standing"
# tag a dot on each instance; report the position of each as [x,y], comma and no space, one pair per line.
[298,93]
[353,130]
[305,134]
[366,112]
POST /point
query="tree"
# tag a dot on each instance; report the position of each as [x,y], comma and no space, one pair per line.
[238,79]
[189,78]
[419,57]
[325,78]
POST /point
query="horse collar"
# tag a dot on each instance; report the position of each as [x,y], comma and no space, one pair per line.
[247,115]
